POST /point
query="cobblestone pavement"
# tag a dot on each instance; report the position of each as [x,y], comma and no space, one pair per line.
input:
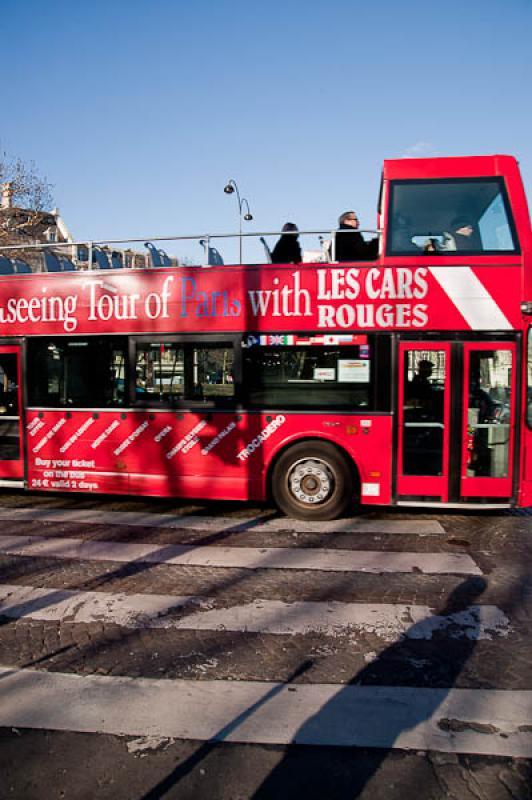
[52,748]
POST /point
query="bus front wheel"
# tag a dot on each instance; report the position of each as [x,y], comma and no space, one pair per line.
[313,481]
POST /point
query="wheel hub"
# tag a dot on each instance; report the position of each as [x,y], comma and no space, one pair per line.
[311,481]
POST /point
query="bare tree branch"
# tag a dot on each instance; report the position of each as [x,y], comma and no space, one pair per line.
[30,189]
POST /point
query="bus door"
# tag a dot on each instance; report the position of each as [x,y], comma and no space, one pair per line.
[11,450]
[456,420]
[424,417]
[488,420]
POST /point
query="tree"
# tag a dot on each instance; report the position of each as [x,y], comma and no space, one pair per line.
[29,189]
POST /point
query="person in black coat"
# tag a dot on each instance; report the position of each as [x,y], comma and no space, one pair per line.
[464,236]
[352,246]
[287,249]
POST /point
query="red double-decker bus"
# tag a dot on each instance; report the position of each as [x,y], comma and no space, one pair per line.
[400,381]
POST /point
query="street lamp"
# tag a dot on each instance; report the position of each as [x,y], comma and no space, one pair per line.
[229,188]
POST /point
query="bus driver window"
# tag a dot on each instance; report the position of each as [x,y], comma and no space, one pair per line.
[450,217]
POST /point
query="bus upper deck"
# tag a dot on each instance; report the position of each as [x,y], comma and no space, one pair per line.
[420,204]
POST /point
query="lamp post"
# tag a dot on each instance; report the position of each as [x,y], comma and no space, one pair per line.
[229,188]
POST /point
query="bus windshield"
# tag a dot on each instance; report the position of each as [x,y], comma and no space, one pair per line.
[450,216]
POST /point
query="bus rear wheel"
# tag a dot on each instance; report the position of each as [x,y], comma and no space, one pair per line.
[313,481]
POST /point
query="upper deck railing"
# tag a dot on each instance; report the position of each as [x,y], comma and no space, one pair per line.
[119,253]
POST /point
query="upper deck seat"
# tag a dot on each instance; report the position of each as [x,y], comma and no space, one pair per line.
[20,266]
[100,258]
[165,259]
[6,267]
[66,264]
[267,250]
[117,261]
[155,259]
[326,249]
[214,257]
[51,262]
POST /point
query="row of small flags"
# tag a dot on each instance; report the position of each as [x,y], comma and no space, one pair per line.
[276,340]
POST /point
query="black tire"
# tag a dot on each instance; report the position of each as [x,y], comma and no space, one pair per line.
[313,481]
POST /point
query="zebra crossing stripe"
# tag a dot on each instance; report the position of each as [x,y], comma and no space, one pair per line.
[222,524]
[241,557]
[388,621]
[477,721]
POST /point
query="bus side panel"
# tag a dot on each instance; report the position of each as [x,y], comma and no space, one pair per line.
[156,453]
[190,454]
[367,440]
[76,451]
[219,455]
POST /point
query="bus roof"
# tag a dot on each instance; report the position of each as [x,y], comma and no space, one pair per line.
[450,167]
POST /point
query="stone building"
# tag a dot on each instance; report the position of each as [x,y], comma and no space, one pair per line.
[23,226]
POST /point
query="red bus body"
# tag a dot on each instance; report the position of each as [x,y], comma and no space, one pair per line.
[455,307]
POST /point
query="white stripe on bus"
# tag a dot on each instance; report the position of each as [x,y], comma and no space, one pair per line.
[471,298]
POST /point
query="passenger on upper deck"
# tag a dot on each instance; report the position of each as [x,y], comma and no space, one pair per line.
[352,246]
[287,249]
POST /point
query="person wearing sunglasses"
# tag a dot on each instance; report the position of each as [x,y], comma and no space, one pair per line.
[351,245]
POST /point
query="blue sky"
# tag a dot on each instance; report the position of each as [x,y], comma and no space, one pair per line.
[139,111]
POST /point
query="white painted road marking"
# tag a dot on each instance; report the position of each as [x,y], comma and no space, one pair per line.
[219,524]
[388,621]
[451,720]
[477,721]
[241,557]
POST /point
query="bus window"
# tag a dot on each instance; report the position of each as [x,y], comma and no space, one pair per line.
[489,413]
[8,385]
[306,377]
[9,408]
[82,373]
[159,370]
[170,372]
[212,372]
[424,418]
[450,217]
